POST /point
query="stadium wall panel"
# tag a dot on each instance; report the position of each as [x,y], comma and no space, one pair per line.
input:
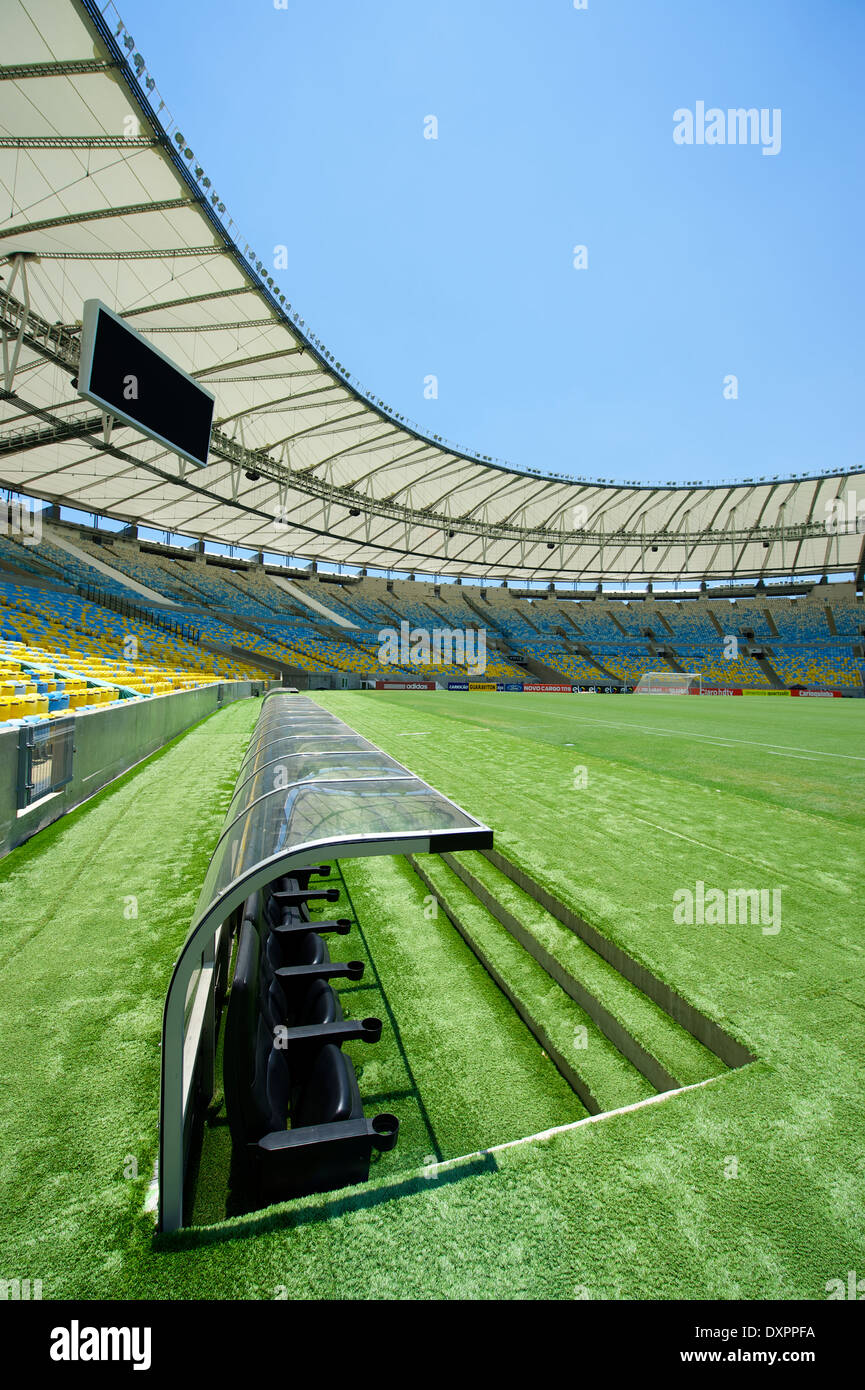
[107,743]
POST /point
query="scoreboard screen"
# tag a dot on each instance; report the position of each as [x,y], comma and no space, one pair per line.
[122,373]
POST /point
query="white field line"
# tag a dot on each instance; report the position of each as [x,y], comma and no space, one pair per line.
[803,757]
[741,858]
[718,739]
[578,1124]
[701,844]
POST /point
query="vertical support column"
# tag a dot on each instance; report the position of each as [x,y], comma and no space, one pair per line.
[10,362]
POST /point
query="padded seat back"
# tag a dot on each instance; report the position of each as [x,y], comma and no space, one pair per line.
[271,1087]
[330,1092]
[276,913]
[320,1005]
[303,948]
[242,1043]
[258,1086]
[256,1074]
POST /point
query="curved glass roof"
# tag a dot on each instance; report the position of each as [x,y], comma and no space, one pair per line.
[326,812]
[297,768]
[301,740]
[309,780]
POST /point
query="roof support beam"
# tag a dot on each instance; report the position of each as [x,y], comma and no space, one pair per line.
[139,255]
[182,303]
[10,360]
[78,142]
[247,361]
[208,327]
[307,482]
[72,67]
[72,219]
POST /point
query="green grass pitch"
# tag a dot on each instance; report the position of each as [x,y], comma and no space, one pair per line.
[751,1185]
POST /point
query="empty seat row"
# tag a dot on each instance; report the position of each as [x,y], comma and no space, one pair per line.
[291,1094]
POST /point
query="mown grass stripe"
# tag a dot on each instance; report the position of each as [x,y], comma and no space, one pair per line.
[478,1071]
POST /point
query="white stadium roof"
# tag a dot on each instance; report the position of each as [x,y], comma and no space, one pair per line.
[119,209]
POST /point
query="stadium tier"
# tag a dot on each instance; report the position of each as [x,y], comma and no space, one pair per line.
[316,602]
[830,665]
[601,623]
[365,610]
[515,626]
[740,618]
[847,616]
[335,629]
[573,668]
[79,654]
[685,622]
[739,670]
[625,664]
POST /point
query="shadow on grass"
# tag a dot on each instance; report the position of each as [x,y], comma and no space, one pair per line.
[277,1218]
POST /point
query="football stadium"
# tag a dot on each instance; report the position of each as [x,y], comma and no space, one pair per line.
[367,931]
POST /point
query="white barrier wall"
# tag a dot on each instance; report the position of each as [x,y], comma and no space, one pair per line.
[107,743]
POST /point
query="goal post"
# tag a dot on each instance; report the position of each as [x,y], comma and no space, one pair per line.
[669,683]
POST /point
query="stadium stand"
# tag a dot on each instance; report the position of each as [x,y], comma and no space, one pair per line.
[626,664]
[344,656]
[719,670]
[64,565]
[682,622]
[597,623]
[738,618]
[826,667]
[515,626]
[848,615]
[328,596]
[240,607]
[573,668]
[799,620]
[80,650]
[368,611]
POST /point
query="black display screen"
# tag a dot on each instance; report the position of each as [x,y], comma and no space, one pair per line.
[128,377]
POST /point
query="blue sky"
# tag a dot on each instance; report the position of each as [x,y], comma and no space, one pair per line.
[454,257]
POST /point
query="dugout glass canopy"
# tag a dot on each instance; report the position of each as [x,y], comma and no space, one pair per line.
[309,788]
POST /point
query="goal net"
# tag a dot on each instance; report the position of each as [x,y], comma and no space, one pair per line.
[669,683]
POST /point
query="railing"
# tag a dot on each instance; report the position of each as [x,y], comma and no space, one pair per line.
[93,594]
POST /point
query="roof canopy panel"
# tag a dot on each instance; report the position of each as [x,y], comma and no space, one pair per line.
[122,211]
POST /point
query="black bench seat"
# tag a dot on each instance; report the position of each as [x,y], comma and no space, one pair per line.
[292,1100]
